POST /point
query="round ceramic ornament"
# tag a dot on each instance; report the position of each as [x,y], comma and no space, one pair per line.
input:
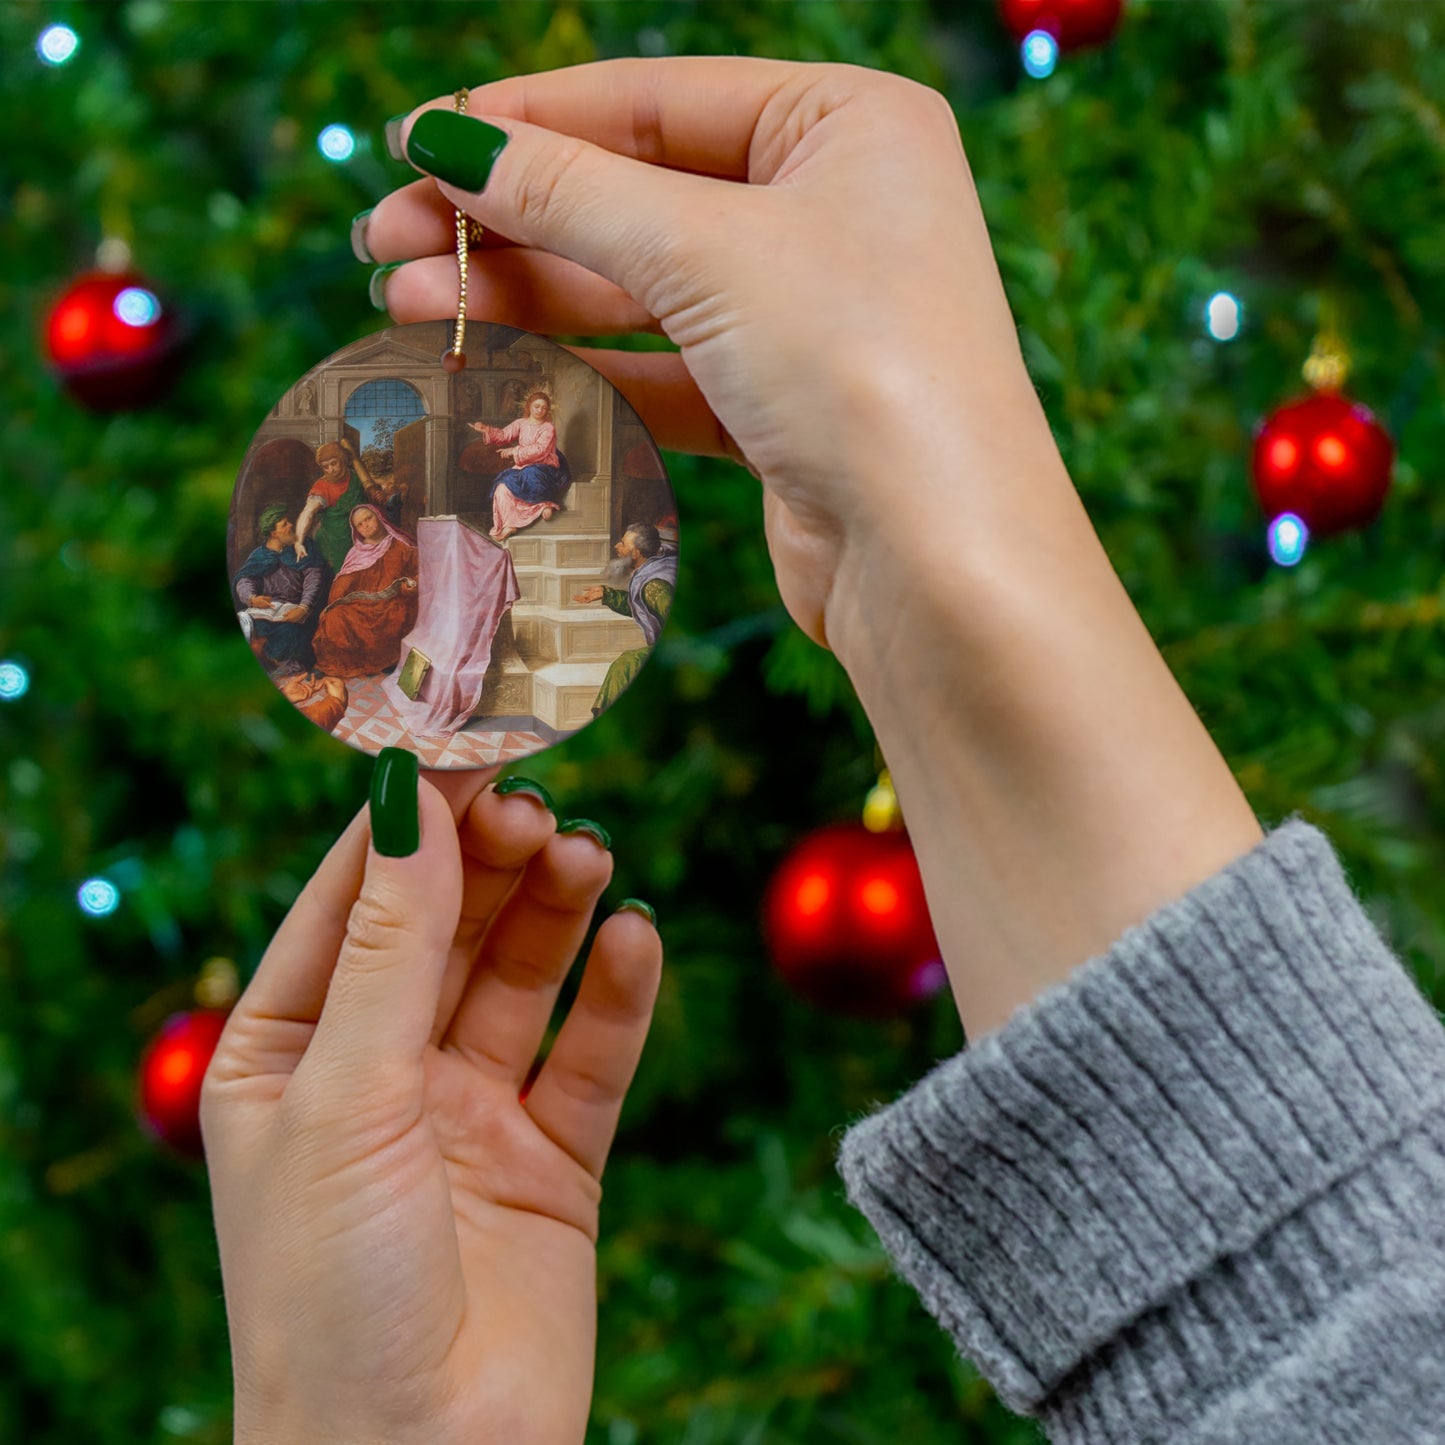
[470,562]
[467,557]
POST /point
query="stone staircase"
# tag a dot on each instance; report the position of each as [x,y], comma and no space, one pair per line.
[551,653]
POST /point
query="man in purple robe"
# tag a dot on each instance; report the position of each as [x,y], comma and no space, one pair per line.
[274,581]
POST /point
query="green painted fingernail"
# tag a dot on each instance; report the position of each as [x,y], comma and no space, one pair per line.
[636,905]
[525,785]
[359,247]
[392,132]
[395,820]
[586,825]
[377,288]
[455,148]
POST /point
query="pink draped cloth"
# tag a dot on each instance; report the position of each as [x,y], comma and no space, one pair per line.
[467,583]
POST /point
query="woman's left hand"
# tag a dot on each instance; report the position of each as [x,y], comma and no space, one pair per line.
[407,1244]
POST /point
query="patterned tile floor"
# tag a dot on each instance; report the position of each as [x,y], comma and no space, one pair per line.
[371,723]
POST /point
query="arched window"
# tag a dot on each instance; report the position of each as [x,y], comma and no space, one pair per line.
[378,410]
[399,400]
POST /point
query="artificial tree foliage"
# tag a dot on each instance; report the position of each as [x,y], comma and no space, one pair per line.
[1290,154]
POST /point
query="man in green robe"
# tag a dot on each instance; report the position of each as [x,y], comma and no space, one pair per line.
[325,520]
[651,578]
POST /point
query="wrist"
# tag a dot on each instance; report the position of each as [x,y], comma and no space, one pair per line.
[1057,784]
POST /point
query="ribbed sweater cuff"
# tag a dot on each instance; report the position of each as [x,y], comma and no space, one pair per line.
[1168,1152]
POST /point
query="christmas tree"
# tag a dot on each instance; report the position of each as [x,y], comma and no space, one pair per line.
[1280,160]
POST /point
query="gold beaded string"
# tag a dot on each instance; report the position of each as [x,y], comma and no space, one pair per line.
[455,359]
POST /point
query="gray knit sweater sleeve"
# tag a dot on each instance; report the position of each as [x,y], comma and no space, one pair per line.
[1196,1192]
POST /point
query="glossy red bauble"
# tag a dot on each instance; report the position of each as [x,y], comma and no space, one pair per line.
[171,1071]
[1073,23]
[1324,458]
[847,923]
[112,341]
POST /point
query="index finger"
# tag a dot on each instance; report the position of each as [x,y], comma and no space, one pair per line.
[698,113]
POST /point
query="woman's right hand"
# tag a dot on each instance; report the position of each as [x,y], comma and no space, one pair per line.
[810,237]
[846,294]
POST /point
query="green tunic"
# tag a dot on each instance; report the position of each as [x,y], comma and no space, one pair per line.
[331,531]
[657,597]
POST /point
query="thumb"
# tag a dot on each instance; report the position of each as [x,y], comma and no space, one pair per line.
[634,224]
[382,1000]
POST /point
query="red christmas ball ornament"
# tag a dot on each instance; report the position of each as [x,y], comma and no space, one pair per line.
[1073,23]
[847,923]
[1324,458]
[112,341]
[171,1071]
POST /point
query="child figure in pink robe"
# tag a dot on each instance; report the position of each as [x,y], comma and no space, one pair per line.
[533,486]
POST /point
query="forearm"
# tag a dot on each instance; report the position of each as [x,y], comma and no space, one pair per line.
[308,514]
[1057,784]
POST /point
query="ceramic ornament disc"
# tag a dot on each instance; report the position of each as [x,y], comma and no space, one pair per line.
[471,565]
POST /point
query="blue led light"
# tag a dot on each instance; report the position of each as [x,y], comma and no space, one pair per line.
[98,897]
[1223,316]
[14,681]
[1288,537]
[336,143]
[1040,52]
[137,307]
[57,44]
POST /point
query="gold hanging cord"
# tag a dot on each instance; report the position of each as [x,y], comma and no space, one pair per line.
[467,231]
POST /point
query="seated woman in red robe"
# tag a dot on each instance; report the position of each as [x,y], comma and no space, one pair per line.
[373,600]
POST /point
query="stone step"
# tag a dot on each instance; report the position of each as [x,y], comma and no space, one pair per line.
[557,586]
[553,544]
[579,632]
[563,693]
[559,694]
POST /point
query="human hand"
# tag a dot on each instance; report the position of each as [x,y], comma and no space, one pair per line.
[297,612]
[259,600]
[866,302]
[408,1247]
[588,594]
[408,584]
[300,550]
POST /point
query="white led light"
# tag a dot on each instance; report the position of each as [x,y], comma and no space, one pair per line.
[1040,53]
[57,44]
[98,897]
[14,681]
[336,143]
[1223,316]
[1288,537]
[137,307]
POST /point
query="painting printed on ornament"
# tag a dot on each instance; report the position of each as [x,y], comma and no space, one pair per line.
[471,564]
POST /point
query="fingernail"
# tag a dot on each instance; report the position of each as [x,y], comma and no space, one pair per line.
[586,825]
[393,137]
[455,148]
[358,237]
[636,905]
[508,786]
[395,821]
[376,289]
